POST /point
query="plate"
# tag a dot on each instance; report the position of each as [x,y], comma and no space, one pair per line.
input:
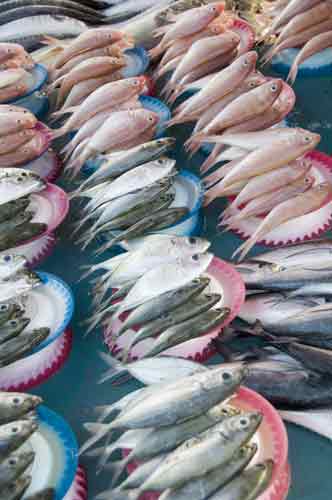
[56,449]
[50,305]
[50,206]
[303,228]
[35,369]
[224,280]
[35,251]
[137,60]
[79,488]
[48,165]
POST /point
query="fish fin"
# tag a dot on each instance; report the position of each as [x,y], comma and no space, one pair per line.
[98,431]
[116,368]
[292,75]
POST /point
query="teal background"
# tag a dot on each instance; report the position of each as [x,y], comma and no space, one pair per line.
[74,391]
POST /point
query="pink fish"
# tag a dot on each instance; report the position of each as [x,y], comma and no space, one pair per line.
[107,96]
[223,83]
[315,45]
[12,122]
[292,9]
[300,205]
[26,152]
[189,23]
[9,50]
[11,142]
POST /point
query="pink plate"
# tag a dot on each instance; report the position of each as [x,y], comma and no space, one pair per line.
[79,488]
[33,370]
[307,227]
[246,33]
[271,439]
[51,206]
[48,166]
[36,251]
[224,280]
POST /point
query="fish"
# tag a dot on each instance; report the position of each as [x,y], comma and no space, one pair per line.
[273,308]
[188,330]
[164,278]
[312,289]
[129,8]
[16,489]
[31,30]
[176,317]
[202,487]
[14,466]
[224,82]
[46,494]
[18,285]
[185,26]
[90,68]
[162,440]
[10,142]
[26,152]
[271,181]
[203,453]
[14,349]
[8,311]
[8,5]
[170,301]
[263,204]
[127,220]
[139,475]
[26,233]
[317,421]
[253,103]
[33,10]
[300,205]
[15,122]
[16,222]
[202,390]
[16,183]
[11,264]
[292,9]
[313,46]
[249,485]
[312,358]
[14,406]
[152,371]
[281,277]
[88,40]
[154,250]
[12,208]
[12,329]
[13,435]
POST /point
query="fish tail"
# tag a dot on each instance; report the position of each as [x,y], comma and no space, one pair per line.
[292,75]
[107,246]
[116,368]
[244,249]
[56,133]
[98,431]
[207,164]
[104,411]
[94,321]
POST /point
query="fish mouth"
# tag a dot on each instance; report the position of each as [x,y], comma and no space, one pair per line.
[36,401]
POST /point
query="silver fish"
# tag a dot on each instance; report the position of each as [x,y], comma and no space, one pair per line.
[8,311]
[14,349]
[249,485]
[14,405]
[204,453]
[16,183]
[13,435]
[12,329]
[201,488]
[14,466]
[18,285]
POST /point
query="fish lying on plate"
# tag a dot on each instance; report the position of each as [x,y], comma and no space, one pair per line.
[172,449]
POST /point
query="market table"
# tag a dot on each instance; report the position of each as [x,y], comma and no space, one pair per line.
[74,391]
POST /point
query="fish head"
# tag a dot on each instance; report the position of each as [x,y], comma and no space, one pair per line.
[17,324]
[165,162]
[191,244]
[21,460]
[217,27]
[230,377]
[200,261]
[306,139]
[159,145]
[247,423]
[18,487]
[18,403]
[248,61]
[18,431]
[19,181]
[306,183]
[137,84]
[322,192]
[253,81]
[258,477]
[222,412]
[272,89]
[12,262]
[216,8]
[40,334]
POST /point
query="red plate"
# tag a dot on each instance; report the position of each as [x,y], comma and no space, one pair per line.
[79,488]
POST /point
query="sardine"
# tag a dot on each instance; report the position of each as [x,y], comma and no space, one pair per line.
[12,329]
[14,349]
[8,311]
[14,406]
[12,208]
[13,435]
[15,238]
[14,466]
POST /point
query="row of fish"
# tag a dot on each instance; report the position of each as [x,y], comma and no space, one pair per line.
[22,137]
[163,285]
[297,23]
[188,442]
[138,201]
[17,425]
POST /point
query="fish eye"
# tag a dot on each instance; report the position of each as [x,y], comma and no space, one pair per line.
[226,376]
[24,174]
[136,82]
[12,461]
[195,258]
[16,401]
[20,179]
[260,466]
[244,422]
[13,322]
[7,258]
[307,138]
[307,180]
[224,411]
[14,430]
[151,119]
[273,87]
[196,281]
[4,307]
[192,241]
[160,162]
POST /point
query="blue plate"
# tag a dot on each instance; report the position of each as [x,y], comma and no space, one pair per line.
[137,62]
[317,65]
[56,451]
[50,305]
[150,103]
